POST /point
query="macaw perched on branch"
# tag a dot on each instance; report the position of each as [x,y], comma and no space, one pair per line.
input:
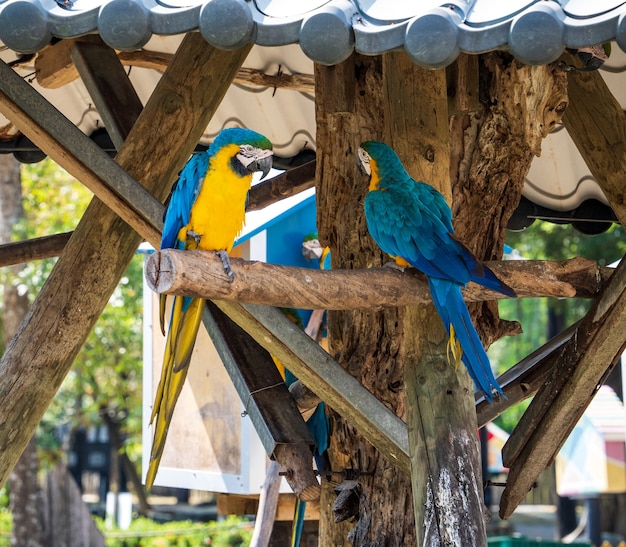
[411,222]
[206,211]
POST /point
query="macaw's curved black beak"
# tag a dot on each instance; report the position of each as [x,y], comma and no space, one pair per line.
[262,163]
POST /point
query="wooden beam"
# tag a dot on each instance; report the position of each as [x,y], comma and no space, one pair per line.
[54,68]
[266,401]
[54,134]
[285,185]
[334,385]
[582,365]
[201,274]
[109,87]
[440,415]
[33,249]
[522,380]
[597,124]
[236,504]
[38,358]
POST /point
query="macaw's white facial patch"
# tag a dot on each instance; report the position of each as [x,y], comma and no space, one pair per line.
[364,161]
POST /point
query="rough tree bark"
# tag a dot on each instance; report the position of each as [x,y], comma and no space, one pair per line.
[491,151]
[362,341]
[25,492]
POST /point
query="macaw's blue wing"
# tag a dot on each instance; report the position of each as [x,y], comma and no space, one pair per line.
[182,198]
[178,212]
[413,221]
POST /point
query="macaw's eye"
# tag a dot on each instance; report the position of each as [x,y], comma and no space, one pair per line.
[247,149]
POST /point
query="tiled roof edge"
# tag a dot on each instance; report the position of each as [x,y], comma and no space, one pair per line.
[433,37]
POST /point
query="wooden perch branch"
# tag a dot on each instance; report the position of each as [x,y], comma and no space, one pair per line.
[201,274]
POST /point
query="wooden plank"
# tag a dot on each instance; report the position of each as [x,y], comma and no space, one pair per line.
[583,363]
[440,416]
[41,354]
[523,380]
[236,504]
[54,68]
[266,400]
[201,274]
[596,122]
[109,87]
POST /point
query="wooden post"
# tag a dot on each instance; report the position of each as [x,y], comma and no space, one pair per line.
[597,124]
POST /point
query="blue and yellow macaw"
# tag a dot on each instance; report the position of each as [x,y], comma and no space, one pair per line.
[411,222]
[206,211]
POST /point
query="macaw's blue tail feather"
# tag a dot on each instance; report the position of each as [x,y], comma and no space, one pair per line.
[298,523]
[451,307]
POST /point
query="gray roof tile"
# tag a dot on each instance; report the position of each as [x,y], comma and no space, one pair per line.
[433,33]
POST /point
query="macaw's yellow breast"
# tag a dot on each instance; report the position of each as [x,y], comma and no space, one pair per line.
[218,214]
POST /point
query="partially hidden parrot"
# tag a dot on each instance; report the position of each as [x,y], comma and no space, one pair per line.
[316,420]
[411,222]
[206,211]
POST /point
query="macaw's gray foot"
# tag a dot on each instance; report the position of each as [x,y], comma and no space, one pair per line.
[226,264]
[394,266]
[193,236]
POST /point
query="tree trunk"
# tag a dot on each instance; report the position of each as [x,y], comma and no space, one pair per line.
[25,493]
[349,104]
[490,153]
[492,149]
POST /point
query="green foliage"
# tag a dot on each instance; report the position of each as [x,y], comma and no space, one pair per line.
[143,532]
[6,526]
[107,372]
[547,241]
